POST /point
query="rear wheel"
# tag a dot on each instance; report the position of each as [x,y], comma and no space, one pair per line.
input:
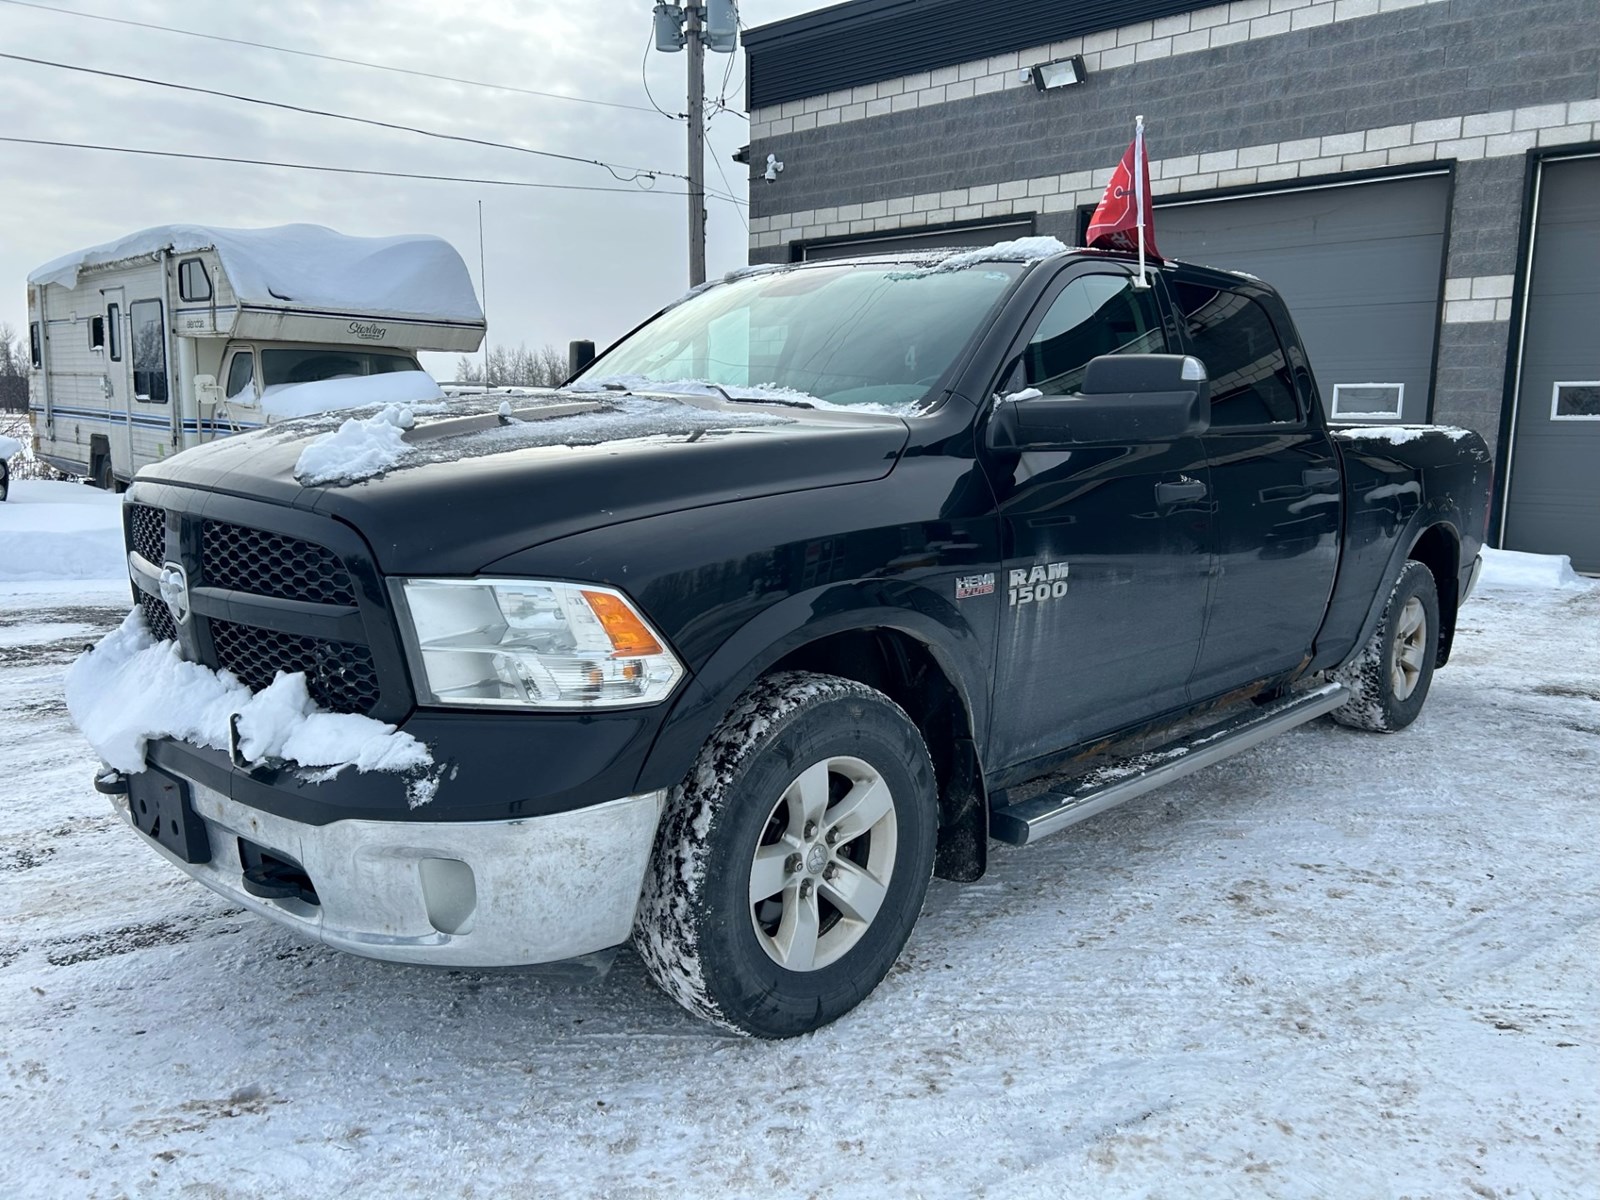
[5,480]
[1390,678]
[792,862]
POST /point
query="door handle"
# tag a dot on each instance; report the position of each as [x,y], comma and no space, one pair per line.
[1180,490]
[1319,476]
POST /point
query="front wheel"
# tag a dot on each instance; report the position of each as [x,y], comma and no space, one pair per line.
[792,862]
[1390,677]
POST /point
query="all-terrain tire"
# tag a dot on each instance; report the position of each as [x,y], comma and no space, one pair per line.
[780,798]
[1390,677]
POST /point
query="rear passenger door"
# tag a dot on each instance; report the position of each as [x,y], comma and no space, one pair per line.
[1275,480]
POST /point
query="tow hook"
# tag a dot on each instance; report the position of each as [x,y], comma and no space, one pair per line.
[111,782]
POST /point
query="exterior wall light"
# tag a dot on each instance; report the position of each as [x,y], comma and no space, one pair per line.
[1059,73]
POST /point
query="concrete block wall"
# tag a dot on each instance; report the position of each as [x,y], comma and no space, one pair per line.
[1235,96]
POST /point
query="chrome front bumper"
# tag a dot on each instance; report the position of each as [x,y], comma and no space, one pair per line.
[481,893]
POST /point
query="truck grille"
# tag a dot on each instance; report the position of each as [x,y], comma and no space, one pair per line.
[148,532]
[249,631]
[156,616]
[270,564]
[339,675]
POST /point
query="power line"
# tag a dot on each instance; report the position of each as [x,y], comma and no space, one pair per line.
[644,78]
[319,112]
[353,62]
[615,169]
[292,166]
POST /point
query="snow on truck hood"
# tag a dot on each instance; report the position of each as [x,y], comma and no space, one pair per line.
[413,275]
[449,488]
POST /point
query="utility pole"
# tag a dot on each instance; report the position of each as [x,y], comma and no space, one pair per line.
[713,24]
[697,147]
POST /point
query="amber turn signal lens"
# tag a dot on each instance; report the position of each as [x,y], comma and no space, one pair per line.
[627,633]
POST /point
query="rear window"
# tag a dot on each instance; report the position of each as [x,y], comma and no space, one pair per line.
[312,365]
[1234,337]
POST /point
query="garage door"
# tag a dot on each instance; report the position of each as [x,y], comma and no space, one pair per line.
[894,243]
[1360,268]
[1553,506]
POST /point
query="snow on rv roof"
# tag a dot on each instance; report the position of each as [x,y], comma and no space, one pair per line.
[309,266]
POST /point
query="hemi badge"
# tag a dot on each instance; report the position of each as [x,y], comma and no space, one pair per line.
[968,586]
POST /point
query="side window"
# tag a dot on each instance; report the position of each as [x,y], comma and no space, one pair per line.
[114,331]
[240,374]
[1093,315]
[97,333]
[35,346]
[193,282]
[1250,379]
[149,352]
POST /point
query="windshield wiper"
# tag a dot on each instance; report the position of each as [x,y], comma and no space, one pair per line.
[782,401]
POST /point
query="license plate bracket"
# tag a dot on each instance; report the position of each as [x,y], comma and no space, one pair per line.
[159,807]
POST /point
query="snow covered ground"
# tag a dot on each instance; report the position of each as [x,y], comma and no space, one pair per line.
[1341,965]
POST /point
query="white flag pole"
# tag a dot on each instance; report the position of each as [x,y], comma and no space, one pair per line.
[1138,189]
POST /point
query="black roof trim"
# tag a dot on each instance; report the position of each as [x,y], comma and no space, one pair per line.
[863,41]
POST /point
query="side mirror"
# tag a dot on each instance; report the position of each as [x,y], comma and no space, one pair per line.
[207,395]
[579,355]
[1126,398]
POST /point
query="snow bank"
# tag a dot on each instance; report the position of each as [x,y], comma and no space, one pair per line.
[131,689]
[1514,570]
[309,266]
[9,446]
[284,400]
[51,530]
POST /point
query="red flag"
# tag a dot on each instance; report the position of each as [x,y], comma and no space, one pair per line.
[1115,224]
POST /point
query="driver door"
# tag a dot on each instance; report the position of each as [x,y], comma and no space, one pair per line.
[1107,548]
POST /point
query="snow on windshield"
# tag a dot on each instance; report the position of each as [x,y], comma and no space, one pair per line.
[865,336]
[283,400]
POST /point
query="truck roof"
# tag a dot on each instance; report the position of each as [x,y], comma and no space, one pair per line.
[415,276]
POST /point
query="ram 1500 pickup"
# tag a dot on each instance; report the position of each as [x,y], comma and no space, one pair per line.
[803,591]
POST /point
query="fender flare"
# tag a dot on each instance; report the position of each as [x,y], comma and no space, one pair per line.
[900,605]
[1425,518]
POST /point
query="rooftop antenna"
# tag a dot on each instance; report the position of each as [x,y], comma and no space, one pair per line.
[483,296]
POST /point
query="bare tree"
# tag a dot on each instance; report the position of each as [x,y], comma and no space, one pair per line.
[515,367]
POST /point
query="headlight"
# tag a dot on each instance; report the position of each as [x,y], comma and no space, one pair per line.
[523,644]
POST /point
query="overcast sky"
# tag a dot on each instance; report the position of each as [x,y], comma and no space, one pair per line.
[560,264]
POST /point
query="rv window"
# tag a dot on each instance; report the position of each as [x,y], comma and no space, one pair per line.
[114,330]
[35,347]
[149,352]
[97,333]
[193,282]
[311,366]
[240,374]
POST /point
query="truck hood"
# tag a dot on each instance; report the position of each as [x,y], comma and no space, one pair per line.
[476,481]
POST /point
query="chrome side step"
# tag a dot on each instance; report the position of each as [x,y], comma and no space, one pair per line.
[1123,779]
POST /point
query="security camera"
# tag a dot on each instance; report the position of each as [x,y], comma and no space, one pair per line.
[773,167]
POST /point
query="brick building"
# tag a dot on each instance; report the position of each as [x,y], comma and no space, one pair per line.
[1420,178]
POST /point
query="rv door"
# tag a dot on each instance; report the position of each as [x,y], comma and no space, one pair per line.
[118,381]
[151,410]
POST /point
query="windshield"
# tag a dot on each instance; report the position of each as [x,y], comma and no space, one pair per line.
[878,335]
[310,365]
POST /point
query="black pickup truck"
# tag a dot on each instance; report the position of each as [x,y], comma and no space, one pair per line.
[803,591]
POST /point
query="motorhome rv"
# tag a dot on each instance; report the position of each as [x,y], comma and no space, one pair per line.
[175,335]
